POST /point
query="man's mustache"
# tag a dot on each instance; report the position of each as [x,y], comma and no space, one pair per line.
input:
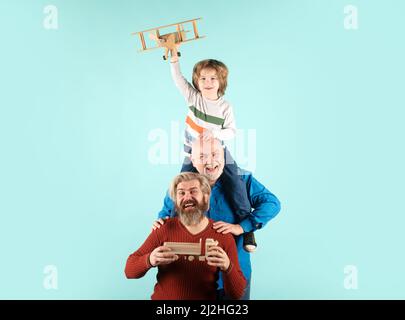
[189,201]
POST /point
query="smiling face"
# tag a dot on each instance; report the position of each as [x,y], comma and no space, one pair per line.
[208,83]
[214,71]
[191,203]
[208,158]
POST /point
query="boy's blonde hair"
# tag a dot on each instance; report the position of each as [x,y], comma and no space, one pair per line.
[219,67]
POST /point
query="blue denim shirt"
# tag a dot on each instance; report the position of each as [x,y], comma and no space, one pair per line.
[265,206]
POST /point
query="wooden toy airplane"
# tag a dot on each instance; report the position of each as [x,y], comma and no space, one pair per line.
[190,248]
[170,41]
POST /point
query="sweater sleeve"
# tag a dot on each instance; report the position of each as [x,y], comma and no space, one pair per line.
[234,281]
[186,89]
[228,130]
[138,262]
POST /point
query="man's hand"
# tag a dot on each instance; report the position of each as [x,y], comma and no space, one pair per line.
[158,223]
[224,228]
[217,257]
[162,255]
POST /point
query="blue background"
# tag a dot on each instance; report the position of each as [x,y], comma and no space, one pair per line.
[77,105]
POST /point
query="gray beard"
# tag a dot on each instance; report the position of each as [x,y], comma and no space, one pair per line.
[194,217]
[210,177]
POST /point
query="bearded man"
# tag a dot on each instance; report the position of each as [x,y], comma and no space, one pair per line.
[187,277]
[208,158]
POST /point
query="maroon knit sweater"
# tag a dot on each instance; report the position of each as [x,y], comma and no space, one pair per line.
[184,279]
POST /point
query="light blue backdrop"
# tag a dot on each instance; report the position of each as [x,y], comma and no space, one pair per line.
[77,104]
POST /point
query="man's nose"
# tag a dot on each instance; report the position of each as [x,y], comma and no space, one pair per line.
[210,159]
[187,196]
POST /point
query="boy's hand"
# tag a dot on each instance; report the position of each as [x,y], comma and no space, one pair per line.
[207,135]
[174,57]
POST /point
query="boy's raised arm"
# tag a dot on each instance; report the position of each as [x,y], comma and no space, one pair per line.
[186,89]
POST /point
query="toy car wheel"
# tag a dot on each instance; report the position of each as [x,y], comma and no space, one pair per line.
[178,54]
[164,58]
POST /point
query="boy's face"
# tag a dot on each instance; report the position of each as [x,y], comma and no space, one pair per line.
[208,84]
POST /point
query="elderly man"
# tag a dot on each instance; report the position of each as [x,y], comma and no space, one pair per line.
[208,158]
[194,275]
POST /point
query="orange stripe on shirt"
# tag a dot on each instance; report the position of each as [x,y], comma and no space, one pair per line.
[194,126]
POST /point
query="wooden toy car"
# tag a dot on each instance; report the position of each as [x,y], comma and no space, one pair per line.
[191,249]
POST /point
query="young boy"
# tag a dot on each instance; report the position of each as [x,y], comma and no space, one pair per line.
[210,115]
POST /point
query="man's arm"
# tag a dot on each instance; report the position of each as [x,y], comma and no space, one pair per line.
[168,208]
[234,281]
[265,205]
[166,212]
[138,263]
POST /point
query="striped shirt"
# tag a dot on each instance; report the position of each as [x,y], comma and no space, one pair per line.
[203,114]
